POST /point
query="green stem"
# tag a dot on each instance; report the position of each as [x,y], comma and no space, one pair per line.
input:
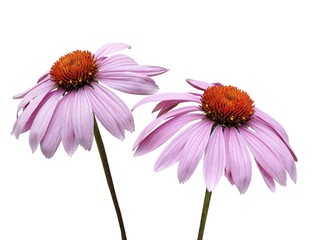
[204,214]
[109,179]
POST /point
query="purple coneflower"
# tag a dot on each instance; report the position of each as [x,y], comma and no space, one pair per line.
[67,100]
[62,105]
[224,126]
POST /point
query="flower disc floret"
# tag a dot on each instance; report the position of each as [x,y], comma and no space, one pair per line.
[74,70]
[227,105]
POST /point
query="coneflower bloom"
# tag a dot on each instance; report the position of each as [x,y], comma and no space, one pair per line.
[65,100]
[224,126]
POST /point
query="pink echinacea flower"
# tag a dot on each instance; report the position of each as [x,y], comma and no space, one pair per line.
[65,100]
[225,127]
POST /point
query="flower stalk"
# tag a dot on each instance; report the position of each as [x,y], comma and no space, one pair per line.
[204,214]
[109,178]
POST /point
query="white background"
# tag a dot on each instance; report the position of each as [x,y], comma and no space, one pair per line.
[274,50]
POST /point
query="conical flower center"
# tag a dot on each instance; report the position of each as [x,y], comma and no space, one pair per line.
[227,105]
[74,70]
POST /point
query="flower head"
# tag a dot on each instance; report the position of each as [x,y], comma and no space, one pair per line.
[225,127]
[65,100]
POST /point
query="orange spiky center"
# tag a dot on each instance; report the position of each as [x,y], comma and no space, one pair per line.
[74,70]
[227,105]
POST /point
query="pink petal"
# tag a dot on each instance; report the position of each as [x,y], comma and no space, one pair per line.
[194,148]
[83,119]
[268,120]
[264,156]
[169,96]
[25,120]
[39,89]
[52,138]
[110,48]
[164,132]
[280,149]
[144,70]
[116,60]
[42,119]
[128,82]
[214,159]
[238,160]
[267,178]
[45,77]
[105,113]
[174,149]
[68,137]
[39,84]
[201,85]
[162,118]
[121,112]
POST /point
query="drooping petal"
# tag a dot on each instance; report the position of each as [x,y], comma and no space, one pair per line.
[272,123]
[280,149]
[106,114]
[121,111]
[160,119]
[110,48]
[34,92]
[201,85]
[83,119]
[194,148]
[214,158]
[114,61]
[145,70]
[52,138]
[39,84]
[238,161]
[128,82]
[42,119]
[267,178]
[265,156]
[164,132]
[45,77]
[25,120]
[68,137]
[171,154]
[168,96]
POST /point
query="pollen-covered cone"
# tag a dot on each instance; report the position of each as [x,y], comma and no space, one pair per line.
[65,100]
[221,126]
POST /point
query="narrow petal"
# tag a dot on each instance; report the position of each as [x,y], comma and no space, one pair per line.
[121,111]
[280,149]
[162,118]
[45,77]
[42,120]
[25,120]
[268,120]
[106,114]
[68,137]
[128,82]
[145,70]
[194,149]
[37,90]
[117,60]
[267,178]
[174,149]
[264,156]
[164,132]
[168,96]
[40,83]
[214,158]
[201,85]
[110,48]
[83,119]
[52,138]
[238,161]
